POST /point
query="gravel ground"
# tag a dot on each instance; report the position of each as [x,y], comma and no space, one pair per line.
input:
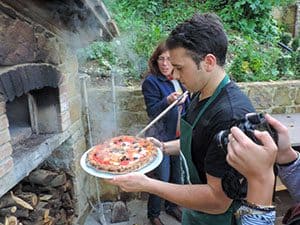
[137,215]
[138,212]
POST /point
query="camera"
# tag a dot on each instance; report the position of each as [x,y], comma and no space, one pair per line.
[251,122]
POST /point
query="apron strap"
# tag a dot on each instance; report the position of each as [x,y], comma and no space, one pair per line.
[212,98]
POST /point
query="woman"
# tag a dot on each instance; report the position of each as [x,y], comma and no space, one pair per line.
[160,90]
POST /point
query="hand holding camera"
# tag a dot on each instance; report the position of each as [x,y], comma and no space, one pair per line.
[251,122]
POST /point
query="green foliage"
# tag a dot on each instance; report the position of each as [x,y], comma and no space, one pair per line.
[295,43]
[286,38]
[253,34]
[250,17]
[254,62]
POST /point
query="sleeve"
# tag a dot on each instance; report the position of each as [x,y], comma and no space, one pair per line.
[154,100]
[250,216]
[290,177]
[215,160]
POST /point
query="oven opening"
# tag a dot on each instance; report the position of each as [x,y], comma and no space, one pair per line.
[36,112]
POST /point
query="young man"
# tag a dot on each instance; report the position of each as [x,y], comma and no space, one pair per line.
[198,52]
[256,162]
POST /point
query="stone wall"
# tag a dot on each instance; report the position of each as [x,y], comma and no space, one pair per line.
[271,97]
[274,97]
[131,117]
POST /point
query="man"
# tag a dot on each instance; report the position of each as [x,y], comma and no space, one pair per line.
[256,162]
[198,50]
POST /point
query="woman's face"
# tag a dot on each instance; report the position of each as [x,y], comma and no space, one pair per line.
[164,63]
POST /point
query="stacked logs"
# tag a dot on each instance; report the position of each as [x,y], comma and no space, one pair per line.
[45,197]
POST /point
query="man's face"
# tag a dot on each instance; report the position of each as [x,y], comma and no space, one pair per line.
[187,71]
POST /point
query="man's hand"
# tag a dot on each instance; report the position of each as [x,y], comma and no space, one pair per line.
[132,182]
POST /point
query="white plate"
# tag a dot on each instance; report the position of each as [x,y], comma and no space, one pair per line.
[107,175]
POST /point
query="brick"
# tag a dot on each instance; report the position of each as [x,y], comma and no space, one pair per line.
[5,151]
[4,136]
[6,165]
[64,106]
[2,107]
[63,89]
[65,116]
[3,122]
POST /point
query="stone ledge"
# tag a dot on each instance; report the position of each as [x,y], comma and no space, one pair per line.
[292,121]
[26,161]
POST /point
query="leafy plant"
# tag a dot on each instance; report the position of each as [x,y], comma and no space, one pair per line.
[253,34]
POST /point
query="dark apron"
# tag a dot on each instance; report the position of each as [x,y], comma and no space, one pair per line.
[192,217]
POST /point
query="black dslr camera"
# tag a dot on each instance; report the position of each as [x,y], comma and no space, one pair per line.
[251,122]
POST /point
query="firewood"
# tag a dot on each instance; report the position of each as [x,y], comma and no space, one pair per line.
[42,177]
[67,201]
[55,192]
[67,186]
[21,213]
[21,202]
[29,197]
[59,180]
[49,220]
[43,209]
[6,201]
[8,211]
[11,220]
[45,197]
[31,188]
[28,222]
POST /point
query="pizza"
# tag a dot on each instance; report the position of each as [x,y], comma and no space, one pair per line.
[122,154]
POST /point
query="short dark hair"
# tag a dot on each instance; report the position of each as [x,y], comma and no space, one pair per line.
[201,35]
[152,63]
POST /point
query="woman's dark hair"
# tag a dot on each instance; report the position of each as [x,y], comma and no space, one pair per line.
[201,35]
[152,63]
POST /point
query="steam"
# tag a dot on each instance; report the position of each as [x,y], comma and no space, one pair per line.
[84,28]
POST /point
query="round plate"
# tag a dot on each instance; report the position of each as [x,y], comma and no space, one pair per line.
[107,175]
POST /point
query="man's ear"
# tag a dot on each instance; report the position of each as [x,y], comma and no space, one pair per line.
[210,61]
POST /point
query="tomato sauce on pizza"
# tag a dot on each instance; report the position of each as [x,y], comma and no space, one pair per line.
[122,154]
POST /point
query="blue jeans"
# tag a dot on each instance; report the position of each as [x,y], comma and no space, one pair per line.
[169,171]
[249,216]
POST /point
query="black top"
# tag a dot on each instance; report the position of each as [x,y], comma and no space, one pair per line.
[230,105]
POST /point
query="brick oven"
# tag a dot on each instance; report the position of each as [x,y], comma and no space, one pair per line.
[40,98]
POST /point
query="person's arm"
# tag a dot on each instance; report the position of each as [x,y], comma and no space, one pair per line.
[154,102]
[208,198]
[169,147]
[255,162]
[287,159]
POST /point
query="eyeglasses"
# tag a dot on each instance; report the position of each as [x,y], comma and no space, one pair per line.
[162,59]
